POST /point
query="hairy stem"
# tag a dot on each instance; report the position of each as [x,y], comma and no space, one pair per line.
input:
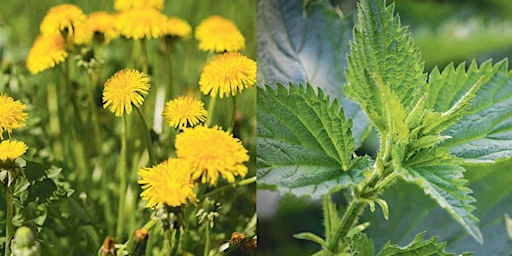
[350,217]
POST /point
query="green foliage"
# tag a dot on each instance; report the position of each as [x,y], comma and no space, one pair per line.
[307,46]
[382,48]
[361,245]
[304,142]
[483,134]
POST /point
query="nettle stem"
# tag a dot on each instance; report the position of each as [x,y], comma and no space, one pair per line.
[384,176]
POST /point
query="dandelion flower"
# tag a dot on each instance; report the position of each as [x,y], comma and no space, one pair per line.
[219,34]
[62,18]
[123,5]
[176,27]
[10,150]
[11,114]
[123,89]
[184,110]
[100,24]
[210,152]
[167,183]
[228,74]
[46,52]
[141,23]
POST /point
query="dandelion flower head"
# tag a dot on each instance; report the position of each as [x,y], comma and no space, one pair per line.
[11,114]
[212,152]
[123,5]
[183,111]
[177,27]
[167,183]
[10,150]
[227,74]
[124,88]
[97,23]
[144,22]
[219,34]
[46,52]
[62,18]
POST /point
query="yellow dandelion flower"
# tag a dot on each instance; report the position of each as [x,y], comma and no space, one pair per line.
[11,114]
[227,74]
[141,23]
[184,110]
[46,52]
[124,88]
[219,34]
[10,150]
[100,24]
[176,27]
[62,19]
[167,183]
[123,5]
[210,152]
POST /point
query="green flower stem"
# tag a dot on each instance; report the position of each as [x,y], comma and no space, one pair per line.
[207,241]
[170,88]
[129,245]
[234,185]
[176,243]
[55,121]
[144,57]
[122,176]
[94,114]
[9,227]
[147,135]
[211,107]
[233,116]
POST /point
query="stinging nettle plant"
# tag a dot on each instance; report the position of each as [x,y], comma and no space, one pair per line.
[429,126]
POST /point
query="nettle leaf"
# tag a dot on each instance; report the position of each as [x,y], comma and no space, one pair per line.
[300,46]
[442,179]
[484,133]
[304,143]
[416,247]
[362,245]
[383,48]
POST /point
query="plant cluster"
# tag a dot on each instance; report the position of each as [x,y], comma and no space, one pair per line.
[430,126]
[155,181]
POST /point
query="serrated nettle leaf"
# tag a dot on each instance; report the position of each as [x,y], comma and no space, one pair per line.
[381,46]
[394,113]
[484,133]
[362,245]
[300,47]
[416,247]
[445,185]
[304,143]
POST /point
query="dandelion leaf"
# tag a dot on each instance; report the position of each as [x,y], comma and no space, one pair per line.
[300,45]
[304,143]
[417,247]
[483,134]
[382,47]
